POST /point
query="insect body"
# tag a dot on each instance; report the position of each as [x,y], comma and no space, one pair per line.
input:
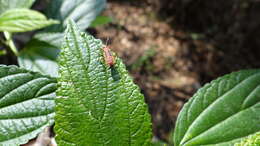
[109,58]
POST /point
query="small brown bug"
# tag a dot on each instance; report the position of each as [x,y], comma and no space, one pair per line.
[109,58]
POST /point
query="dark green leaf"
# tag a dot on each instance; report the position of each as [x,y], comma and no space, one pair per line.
[11,4]
[26,104]
[21,20]
[97,104]
[222,112]
[39,56]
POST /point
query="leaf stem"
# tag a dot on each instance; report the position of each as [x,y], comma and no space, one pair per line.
[10,42]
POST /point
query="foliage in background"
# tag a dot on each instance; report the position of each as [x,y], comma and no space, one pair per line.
[83,12]
[12,4]
[22,20]
[16,17]
[144,61]
[101,20]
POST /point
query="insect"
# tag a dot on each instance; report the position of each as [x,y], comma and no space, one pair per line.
[108,56]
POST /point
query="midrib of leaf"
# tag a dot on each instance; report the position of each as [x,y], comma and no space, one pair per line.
[79,54]
[86,69]
[69,69]
[208,108]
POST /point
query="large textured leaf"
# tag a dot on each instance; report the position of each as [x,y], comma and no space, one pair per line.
[39,56]
[222,112]
[97,104]
[11,4]
[26,104]
[21,20]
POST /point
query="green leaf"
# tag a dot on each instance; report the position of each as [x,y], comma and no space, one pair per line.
[252,140]
[55,38]
[40,57]
[52,38]
[11,4]
[101,20]
[97,104]
[83,12]
[41,52]
[222,112]
[2,52]
[159,143]
[21,20]
[26,104]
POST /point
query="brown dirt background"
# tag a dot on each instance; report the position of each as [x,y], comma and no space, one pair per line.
[174,47]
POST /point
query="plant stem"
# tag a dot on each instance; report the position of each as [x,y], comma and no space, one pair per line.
[2,42]
[10,43]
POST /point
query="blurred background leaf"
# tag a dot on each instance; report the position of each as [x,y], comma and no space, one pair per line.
[39,56]
[101,20]
[83,12]
[10,4]
[22,20]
